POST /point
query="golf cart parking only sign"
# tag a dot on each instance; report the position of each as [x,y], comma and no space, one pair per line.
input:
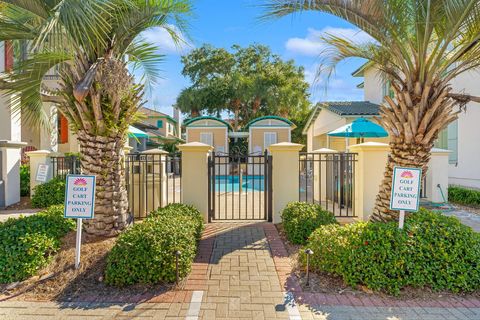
[405,189]
[80,196]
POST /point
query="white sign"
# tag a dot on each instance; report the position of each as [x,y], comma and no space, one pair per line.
[42,172]
[405,189]
[80,204]
[80,196]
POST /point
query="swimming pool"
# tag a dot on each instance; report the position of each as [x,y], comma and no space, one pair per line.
[232,183]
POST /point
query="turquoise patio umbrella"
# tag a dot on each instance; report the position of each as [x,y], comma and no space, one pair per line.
[136,133]
[360,128]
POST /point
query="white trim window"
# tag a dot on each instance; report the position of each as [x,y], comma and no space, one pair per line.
[207,138]
[269,138]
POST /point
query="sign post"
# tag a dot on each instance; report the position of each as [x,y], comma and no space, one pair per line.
[405,191]
[79,204]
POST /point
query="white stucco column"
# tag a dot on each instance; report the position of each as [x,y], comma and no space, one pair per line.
[10,153]
[195,175]
[36,158]
[369,171]
[437,176]
[285,170]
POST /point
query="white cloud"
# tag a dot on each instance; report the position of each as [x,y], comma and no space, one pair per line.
[312,45]
[163,39]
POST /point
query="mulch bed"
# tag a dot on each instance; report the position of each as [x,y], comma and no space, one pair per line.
[60,281]
[330,284]
[25,203]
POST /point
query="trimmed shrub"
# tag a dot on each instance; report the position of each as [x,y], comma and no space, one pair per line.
[27,243]
[468,197]
[300,219]
[145,253]
[49,194]
[432,250]
[25,180]
[179,209]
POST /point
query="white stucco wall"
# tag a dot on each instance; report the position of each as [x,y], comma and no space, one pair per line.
[466,171]
[373,86]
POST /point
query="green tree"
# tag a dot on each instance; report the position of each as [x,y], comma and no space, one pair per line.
[419,47]
[94,46]
[248,82]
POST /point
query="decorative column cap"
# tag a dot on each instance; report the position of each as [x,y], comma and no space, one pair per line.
[38,153]
[369,146]
[324,150]
[12,144]
[195,147]
[285,146]
[154,151]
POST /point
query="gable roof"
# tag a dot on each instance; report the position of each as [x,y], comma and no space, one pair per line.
[360,71]
[343,109]
[190,121]
[352,108]
[155,114]
[290,123]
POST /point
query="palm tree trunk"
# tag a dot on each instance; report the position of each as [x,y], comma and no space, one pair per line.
[103,157]
[402,155]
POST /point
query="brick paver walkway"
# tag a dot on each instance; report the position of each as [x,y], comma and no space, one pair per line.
[242,271]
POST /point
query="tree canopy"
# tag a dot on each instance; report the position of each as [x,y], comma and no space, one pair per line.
[247,82]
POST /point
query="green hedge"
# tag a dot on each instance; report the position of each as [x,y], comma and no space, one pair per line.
[300,219]
[27,243]
[25,180]
[145,253]
[463,196]
[431,251]
[49,194]
[178,209]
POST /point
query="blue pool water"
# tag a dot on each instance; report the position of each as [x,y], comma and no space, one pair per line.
[232,183]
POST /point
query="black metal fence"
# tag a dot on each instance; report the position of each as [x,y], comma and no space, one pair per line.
[328,179]
[61,166]
[152,181]
[240,186]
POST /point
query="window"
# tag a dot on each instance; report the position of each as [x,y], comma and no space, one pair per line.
[448,139]
[269,138]
[159,124]
[207,138]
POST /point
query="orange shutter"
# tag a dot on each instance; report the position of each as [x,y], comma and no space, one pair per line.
[8,56]
[63,128]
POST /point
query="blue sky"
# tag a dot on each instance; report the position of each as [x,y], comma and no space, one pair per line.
[223,23]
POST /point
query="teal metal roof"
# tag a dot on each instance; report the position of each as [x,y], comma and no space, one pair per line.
[290,123]
[190,121]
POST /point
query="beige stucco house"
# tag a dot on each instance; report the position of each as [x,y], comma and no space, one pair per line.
[268,130]
[461,137]
[209,130]
[328,116]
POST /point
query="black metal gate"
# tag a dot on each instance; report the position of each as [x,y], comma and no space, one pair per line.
[328,179]
[239,186]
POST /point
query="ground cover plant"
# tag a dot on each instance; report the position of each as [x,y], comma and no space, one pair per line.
[432,251]
[145,253]
[300,219]
[28,243]
[465,196]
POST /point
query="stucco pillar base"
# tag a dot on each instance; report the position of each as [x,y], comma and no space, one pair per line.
[10,172]
[36,158]
[437,175]
[369,172]
[285,170]
[195,175]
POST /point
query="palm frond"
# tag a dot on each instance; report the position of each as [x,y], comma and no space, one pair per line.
[144,57]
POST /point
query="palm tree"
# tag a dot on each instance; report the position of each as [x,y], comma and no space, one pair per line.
[419,47]
[96,47]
